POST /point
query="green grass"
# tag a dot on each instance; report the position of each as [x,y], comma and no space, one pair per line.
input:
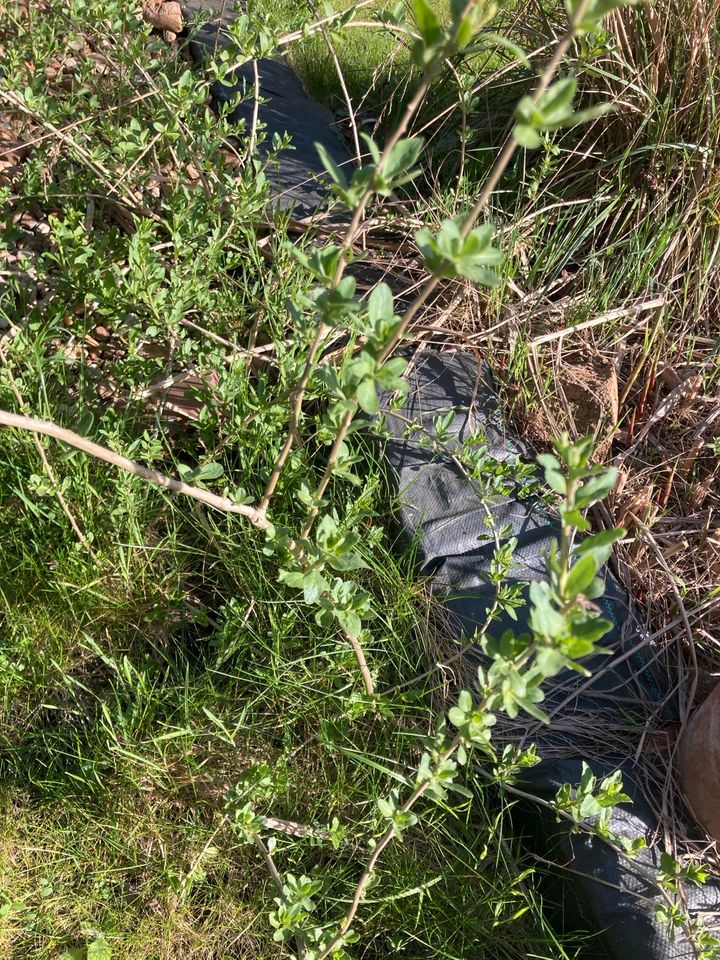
[147,675]
[128,717]
[143,681]
[376,63]
[373,64]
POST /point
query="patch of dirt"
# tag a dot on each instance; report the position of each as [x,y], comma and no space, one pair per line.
[583,401]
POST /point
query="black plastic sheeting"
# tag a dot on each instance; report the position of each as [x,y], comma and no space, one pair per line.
[297,177]
[449,519]
[606,894]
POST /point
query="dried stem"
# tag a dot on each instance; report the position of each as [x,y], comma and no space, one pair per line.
[343,86]
[49,429]
[256,109]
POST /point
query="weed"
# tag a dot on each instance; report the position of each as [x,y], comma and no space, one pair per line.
[198,756]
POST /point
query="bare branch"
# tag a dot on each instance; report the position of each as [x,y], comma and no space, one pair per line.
[49,429]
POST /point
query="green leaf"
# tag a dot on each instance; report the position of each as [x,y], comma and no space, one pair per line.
[573,518]
[367,397]
[530,707]
[449,254]
[554,110]
[402,157]
[331,166]
[99,949]
[373,148]
[427,22]
[544,618]
[320,261]
[527,136]
[395,366]
[314,585]
[208,471]
[326,529]
[596,589]
[380,304]
[596,488]
[581,575]
[347,561]
[456,716]
[555,104]
[502,41]
[293,578]
[465,701]
[590,20]
[554,476]
[549,661]
[84,423]
[590,631]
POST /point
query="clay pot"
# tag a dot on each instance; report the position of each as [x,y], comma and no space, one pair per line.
[699,764]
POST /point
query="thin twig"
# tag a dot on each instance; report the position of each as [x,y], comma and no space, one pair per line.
[376,854]
[256,110]
[49,429]
[270,863]
[343,86]
[621,313]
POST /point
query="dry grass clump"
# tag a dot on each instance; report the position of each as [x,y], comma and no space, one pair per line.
[643,375]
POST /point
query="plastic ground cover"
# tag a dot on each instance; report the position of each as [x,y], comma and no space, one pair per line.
[441,510]
[297,177]
[599,720]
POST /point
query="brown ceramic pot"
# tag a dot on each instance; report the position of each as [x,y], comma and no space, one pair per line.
[699,763]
